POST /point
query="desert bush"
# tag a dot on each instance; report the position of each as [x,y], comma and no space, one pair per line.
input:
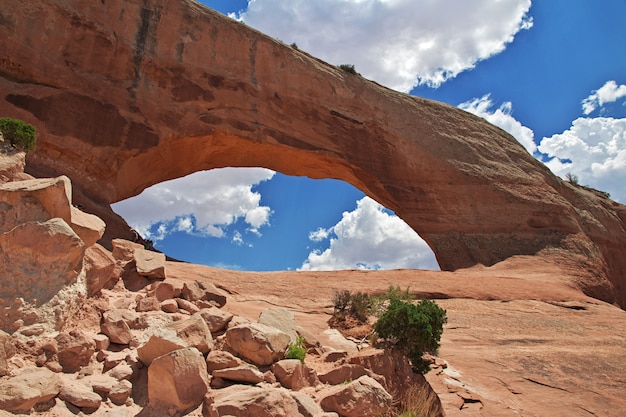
[360,306]
[296,350]
[20,134]
[348,68]
[341,300]
[420,401]
[416,329]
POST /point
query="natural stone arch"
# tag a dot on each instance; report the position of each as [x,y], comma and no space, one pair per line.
[141,91]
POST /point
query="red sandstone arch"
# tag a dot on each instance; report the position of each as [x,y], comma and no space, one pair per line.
[129,93]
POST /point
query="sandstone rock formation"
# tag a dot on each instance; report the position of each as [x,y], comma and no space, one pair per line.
[141,91]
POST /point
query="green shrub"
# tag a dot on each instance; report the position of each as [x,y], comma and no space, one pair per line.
[296,350]
[20,134]
[416,329]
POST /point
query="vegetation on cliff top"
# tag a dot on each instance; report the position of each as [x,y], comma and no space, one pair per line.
[19,134]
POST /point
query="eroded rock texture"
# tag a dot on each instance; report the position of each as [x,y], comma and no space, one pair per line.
[129,93]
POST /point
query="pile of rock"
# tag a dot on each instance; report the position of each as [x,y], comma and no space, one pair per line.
[85,330]
[171,349]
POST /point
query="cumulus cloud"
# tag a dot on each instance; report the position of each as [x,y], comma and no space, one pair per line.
[398,43]
[593,149]
[503,118]
[370,238]
[608,93]
[203,203]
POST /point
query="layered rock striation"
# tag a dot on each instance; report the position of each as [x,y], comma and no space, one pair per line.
[130,93]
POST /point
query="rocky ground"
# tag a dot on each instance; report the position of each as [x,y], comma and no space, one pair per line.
[125,333]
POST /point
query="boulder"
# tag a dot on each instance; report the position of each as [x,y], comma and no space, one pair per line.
[260,344]
[120,392]
[150,264]
[294,375]
[37,260]
[112,359]
[392,366]
[220,359]
[203,291]
[100,268]
[307,406]
[121,371]
[148,304]
[334,355]
[161,342]
[186,305]
[101,341]
[281,319]
[178,380]
[363,397]
[7,350]
[90,228]
[36,200]
[75,350]
[33,386]
[169,306]
[245,373]
[115,324]
[78,394]
[124,250]
[251,401]
[216,318]
[195,332]
[342,374]
[168,289]
[101,384]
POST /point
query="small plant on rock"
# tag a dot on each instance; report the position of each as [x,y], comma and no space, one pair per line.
[21,135]
[348,68]
[416,329]
[296,350]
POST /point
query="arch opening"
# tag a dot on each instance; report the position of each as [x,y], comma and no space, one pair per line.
[256,219]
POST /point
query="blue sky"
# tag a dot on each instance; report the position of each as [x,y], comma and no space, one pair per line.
[551,73]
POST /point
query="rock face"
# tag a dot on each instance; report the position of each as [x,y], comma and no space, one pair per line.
[143,83]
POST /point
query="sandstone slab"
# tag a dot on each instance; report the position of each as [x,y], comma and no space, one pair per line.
[33,386]
[246,373]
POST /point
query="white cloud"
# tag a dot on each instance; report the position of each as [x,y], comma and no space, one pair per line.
[593,149]
[502,118]
[319,234]
[370,238]
[608,93]
[201,203]
[398,43]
